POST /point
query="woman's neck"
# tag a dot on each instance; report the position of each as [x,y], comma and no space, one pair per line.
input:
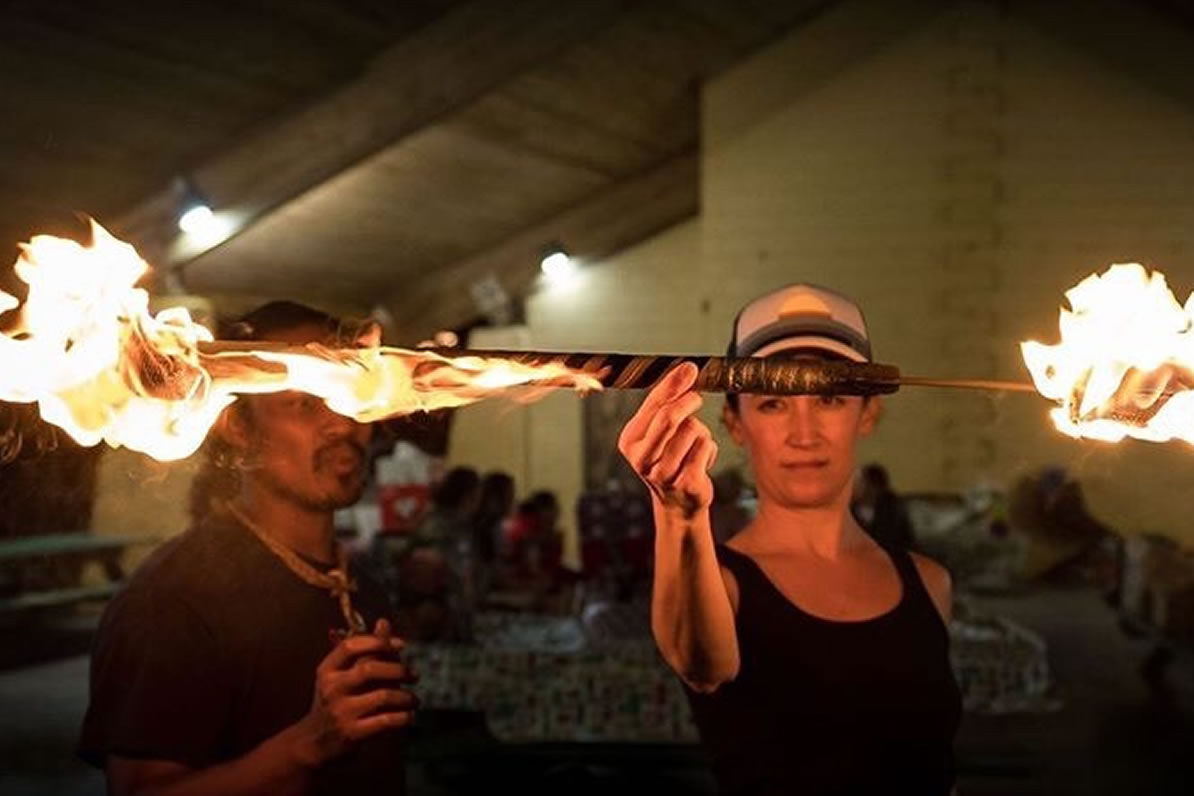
[827,532]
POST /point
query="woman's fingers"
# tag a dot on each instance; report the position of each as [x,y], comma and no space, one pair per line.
[708,453]
[692,480]
[675,383]
[693,475]
[666,444]
[675,456]
[664,426]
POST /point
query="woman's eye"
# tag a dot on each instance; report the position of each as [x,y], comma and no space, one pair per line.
[832,400]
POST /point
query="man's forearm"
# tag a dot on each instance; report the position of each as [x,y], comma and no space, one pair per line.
[691,615]
[275,768]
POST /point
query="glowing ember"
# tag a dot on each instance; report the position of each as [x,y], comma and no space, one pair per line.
[88,352]
[1125,363]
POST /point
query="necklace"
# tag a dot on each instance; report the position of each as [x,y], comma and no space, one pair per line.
[335,580]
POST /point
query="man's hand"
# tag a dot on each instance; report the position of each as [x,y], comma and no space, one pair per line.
[668,447]
[357,695]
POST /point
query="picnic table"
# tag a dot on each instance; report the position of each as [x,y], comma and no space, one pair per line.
[43,572]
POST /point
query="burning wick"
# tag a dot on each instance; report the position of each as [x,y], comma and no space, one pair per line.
[86,350]
[1125,363]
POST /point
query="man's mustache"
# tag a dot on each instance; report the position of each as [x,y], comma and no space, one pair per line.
[340,445]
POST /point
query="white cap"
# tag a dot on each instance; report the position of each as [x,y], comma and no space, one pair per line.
[801,316]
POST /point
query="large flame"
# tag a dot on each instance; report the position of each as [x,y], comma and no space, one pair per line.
[1125,363]
[86,349]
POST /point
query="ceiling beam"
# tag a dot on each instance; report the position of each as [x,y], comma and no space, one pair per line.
[619,216]
[437,70]
[1140,41]
[837,37]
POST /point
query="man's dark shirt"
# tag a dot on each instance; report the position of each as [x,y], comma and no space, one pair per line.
[211,649]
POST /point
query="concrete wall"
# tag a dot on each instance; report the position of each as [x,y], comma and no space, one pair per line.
[957,181]
[648,298]
[954,168]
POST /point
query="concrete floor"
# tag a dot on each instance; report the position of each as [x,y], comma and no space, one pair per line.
[1111,737]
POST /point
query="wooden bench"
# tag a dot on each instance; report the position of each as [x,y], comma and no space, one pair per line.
[41,573]
[56,598]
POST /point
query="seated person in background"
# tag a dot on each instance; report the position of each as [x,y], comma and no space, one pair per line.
[435,596]
[881,512]
[493,509]
[532,553]
[1049,510]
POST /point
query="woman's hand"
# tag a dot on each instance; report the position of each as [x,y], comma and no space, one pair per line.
[668,447]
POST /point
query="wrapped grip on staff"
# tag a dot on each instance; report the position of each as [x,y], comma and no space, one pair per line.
[774,376]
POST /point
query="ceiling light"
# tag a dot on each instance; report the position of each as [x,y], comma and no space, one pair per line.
[195,219]
[557,265]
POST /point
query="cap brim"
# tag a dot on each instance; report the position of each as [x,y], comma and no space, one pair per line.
[814,342]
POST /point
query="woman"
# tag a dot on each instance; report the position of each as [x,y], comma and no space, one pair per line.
[816,661]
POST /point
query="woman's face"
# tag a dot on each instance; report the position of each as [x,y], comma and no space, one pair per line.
[801,448]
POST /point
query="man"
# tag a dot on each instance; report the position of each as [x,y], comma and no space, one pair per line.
[242,658]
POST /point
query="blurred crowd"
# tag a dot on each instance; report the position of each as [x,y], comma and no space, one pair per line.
[474,548]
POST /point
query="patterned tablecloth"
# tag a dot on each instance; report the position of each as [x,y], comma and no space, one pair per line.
[549,679]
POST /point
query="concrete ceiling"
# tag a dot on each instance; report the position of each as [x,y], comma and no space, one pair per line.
[371,152]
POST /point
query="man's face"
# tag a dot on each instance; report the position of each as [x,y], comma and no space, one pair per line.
[301,450]
[801,448]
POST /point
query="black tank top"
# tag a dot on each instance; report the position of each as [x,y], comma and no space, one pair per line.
[825,707]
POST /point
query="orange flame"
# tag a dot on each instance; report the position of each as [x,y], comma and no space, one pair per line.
[1125,363]
[100,366]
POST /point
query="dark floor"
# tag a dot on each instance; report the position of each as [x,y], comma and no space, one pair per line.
[1113,735]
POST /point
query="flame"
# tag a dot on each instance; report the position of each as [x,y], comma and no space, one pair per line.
[86,349]
[1125,363]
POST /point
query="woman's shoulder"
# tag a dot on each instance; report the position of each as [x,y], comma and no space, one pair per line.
[937,583]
